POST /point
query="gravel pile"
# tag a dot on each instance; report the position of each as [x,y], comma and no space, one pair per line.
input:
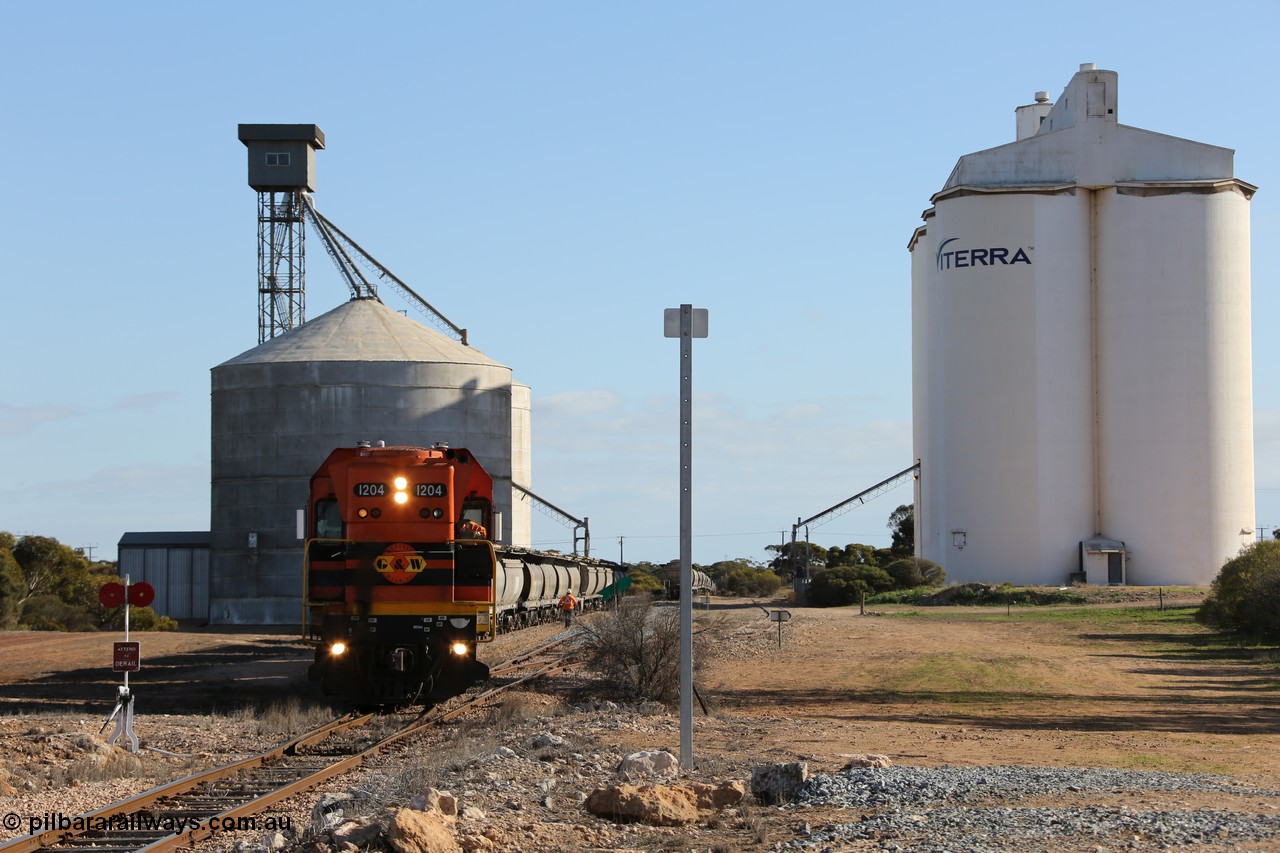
[923,809]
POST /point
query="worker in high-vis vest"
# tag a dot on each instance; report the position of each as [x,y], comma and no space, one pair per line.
[468,529]
[568,604]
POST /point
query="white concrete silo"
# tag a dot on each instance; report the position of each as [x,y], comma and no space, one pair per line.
[359,372]
[1081,354]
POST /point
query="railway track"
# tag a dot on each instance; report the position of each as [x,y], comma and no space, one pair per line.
[180,814]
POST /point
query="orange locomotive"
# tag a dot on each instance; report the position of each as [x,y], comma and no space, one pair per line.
[399,573]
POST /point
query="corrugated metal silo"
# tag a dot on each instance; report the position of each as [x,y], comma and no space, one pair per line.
[1081,352]
[359,372]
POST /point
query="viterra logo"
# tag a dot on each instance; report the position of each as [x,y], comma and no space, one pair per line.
[957,258]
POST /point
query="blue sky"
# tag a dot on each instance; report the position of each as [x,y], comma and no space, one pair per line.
[552,176]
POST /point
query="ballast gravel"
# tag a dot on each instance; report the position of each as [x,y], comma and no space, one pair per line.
[925,809]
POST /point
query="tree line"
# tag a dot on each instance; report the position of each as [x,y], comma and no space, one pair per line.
[48,586]
[837,575]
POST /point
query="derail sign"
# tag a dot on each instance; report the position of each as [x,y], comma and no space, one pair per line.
[127,657]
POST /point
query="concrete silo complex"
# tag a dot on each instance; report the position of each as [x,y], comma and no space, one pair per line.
[360,372]
[1081,354]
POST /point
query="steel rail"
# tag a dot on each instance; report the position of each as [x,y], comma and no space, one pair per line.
[138,802]
[211,821]
[522,660]
[426,720]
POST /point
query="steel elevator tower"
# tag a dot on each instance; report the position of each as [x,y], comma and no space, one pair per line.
[281,169]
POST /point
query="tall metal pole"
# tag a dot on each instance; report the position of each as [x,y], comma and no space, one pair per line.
[126,628]
[686,323]
[686,537]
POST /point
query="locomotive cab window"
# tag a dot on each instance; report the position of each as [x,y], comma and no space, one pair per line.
[475,513]
[328,519]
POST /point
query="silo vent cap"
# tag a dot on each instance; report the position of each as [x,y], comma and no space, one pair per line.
[1042,97]
[1088,66]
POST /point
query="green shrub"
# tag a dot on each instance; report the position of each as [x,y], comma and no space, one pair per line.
[643,583]
[902,596]
[750,583]
[11,589]
[1005,593]
[911,572]
[51,613]
[140,619]
[844,585]
[1245,596]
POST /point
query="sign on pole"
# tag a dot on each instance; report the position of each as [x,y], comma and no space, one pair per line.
[126,657]
[779,616]
[686,323]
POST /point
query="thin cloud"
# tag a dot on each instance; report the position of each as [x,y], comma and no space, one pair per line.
[579,403]
[146,401]
[16,420]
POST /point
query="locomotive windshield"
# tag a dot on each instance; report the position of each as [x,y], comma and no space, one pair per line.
[474,519]
[473,513]
[328,519]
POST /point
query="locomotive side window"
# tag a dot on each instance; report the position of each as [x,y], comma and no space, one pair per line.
[476,511]
[328,519]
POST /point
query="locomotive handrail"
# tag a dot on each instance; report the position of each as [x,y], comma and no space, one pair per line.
[490,606]
[307,604]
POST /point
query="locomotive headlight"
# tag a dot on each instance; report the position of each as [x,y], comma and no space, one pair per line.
[402,497]
[400,483]
[458,649]
[337,648]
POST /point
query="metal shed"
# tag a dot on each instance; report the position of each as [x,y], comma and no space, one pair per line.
[176,564]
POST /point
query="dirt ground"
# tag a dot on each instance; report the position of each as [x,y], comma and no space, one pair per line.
[1077,686]
[975,686]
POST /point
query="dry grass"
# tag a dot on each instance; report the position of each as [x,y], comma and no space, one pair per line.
[635,649]
[288,716]
[515,708]
[425,768]
[98,762]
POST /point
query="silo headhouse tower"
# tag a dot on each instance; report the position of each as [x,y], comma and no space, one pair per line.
[1081,354]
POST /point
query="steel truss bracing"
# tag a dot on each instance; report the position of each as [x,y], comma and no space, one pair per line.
[581,527]
[361,271]
[281,263]
[848,504]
